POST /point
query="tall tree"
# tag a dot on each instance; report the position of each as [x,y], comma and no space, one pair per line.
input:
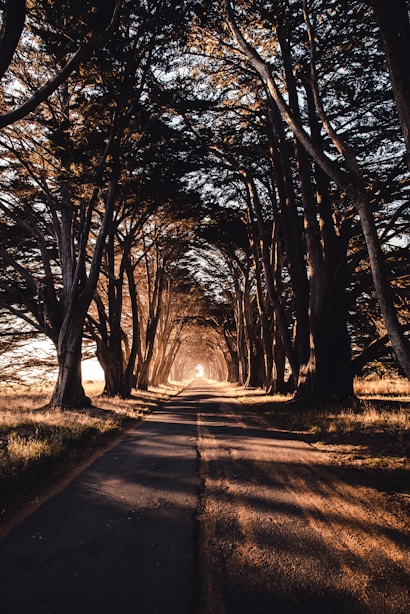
[74,180]
[350,181]
[393,18]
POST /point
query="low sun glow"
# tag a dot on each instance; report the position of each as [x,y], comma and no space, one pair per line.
[91,370]
[199,371]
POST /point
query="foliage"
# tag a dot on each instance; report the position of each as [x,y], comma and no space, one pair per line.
[253,150]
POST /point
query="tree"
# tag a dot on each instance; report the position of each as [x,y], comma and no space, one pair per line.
[106,325]
[74,185]
[287,134]
[244,114]
[394,23]
[14,14]
[350,181]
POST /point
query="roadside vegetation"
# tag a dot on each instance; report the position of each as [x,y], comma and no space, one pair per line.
[39,446]
[370,439]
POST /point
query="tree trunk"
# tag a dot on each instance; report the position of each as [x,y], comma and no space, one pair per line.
[231,359]
[394,24]
[350,183]
[249,337]
[240,334]
[135,354]
[274,299]
[320,377]
[264,306]
[68,391]
[14,15]
[164,370]
[291,226]
[400,344]
[112,363]
[143,374]
[279,385]
[145,367]
[328,373]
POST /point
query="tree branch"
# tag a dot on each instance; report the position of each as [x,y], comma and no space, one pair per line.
[81,54]
[376,348]
[262,69]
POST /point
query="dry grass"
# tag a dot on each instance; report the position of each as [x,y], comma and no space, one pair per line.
[40,448]
[366,388]
[376,387]
[30,435]
[373,436]
[370,418]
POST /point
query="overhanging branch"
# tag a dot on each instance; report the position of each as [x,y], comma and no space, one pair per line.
[81,54]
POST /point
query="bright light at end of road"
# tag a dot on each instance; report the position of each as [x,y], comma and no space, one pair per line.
[199,371]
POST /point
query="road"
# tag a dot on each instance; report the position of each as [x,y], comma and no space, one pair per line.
[206,509]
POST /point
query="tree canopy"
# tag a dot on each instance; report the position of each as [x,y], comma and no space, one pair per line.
[221,184]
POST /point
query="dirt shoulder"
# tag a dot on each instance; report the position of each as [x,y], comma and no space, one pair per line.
[286,527]
[370,443]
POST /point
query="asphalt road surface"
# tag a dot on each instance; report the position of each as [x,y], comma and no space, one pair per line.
[206,509]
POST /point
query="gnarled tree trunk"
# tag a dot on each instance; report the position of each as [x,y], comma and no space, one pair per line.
[350,183]
[68,390]
[394,23]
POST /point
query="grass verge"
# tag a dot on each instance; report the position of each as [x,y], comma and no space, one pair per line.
[40,447]
[370,442]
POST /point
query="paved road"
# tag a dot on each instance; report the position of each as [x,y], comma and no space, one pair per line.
[120,538]
[206,509]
